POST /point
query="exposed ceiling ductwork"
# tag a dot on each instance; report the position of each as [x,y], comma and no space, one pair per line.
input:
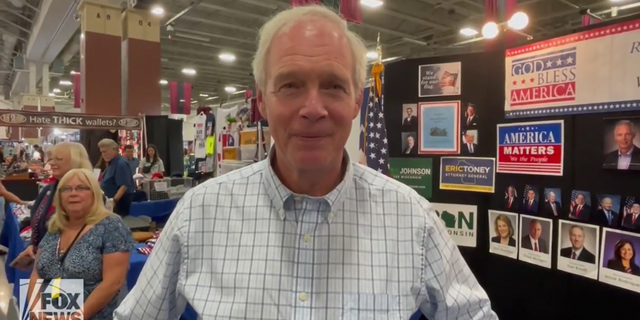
[17,3]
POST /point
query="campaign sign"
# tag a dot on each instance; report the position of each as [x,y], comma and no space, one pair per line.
[531,148]
[468,174]
[52,299]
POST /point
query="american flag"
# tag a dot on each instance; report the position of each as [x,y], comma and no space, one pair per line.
[628,203]
[526,190]
[374,137]
[448,79]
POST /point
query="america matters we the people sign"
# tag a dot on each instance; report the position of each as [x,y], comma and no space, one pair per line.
[531,148]
[593,71]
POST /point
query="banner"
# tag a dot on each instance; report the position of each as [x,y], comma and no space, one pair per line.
[531,148]
[414,172]
[588,72]
[468,174]
[460,222]
[19,118]
[180,97]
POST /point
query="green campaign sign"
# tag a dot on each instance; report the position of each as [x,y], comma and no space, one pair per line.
[415,173]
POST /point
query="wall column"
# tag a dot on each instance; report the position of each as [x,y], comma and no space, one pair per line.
[100,62]
[46,79]
[141,63]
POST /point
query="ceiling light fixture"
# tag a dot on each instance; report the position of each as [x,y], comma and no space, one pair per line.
[468,32]
[65,83]
[518,21]
[371,3]
[56,90]
[227,57]
[192,37]
[157,10]
[52,94]
[204,95]
[163,82]
[371,55]
[73,72]
[490,30]
[189,71]
[230,89]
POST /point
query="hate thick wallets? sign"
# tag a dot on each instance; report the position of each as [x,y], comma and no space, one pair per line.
[18,118]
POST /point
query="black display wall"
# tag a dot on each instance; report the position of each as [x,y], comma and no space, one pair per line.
[90,138]
[166,135]
[518,290]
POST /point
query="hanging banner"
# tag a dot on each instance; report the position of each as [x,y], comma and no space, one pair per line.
[19,118]
[460,222]
[199,125]
[531,148]
[588,72]
[468,174]
[414,172]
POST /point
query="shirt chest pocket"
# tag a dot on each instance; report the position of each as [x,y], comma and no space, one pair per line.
[361,306]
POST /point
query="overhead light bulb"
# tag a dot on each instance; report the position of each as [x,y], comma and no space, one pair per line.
[518,21]
[157,10]
[204,95]
[56,90]
[371,3]
[73,72]
[189,71]
[65,83]
[163,82]
[52,94]
[371,55]
[230,89]
[227,57]
[468,32]
[490,30]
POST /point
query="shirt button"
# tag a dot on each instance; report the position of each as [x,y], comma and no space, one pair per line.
[281,214]
[306,238]
[331,216]
[303,297]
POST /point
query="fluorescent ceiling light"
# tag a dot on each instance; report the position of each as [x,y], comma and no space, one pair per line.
[157,11]
[192,37]
[210,98]
[181,100]
[204,95]
[56,90]
[189,71]
[65,83]
[73,72]
[52,94]
[371,3]
[230,89]
[227,57]
[163,82]
[468,32]
[372,55]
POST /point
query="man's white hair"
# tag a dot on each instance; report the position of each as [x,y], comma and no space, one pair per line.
[289,17]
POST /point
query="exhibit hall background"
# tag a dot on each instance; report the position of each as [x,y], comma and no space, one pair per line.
[518,290]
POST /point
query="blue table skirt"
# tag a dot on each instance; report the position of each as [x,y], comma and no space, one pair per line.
[158,211]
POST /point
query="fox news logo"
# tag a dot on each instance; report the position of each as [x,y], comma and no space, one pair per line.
[544,78]
[59,299]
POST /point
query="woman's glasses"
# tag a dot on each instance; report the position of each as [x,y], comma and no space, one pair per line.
[78,189]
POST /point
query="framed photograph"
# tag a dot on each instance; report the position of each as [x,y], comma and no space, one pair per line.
[469,142]
[621,148]
[511,201]
[619,262]
[536,242]
[608,212]
[580,206]
[631,214]
[552,205]
[470,117]
[530,200]
[409,117]
[578,248]
[440,79]
[409,145]
[503,233]
[439,127]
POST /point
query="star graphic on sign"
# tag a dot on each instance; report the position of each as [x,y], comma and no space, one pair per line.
[549,64]
[569,60]
[523,81]
[559,62]
[515,83]
[532,80]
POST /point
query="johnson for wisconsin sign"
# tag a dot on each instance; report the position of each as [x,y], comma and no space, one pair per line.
[18,118]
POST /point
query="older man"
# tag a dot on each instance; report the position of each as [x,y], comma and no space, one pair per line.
[627,154]
[306,234]
[117,179]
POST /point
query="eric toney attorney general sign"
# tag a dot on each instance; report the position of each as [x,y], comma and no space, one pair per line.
[18,118]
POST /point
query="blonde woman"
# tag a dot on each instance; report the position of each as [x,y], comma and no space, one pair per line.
[64,157]
[85,241]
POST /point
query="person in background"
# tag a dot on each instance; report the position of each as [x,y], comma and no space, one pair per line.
[65,156]
[100,165]
[310,74]
[37,153]
[133,162]
[2,159]
[117,180]
[85,241]
[503,229]
[151,163]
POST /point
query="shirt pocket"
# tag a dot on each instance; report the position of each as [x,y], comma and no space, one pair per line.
[367,306]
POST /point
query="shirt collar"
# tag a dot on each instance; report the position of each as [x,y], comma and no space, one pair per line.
[279,194]
[625,154]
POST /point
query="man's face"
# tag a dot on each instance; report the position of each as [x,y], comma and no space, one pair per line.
[309,98]
[531,194]
[409,112]
[410,141]
[552,197]
[580,199]
[471,111]
[469,138]
[511,192]
[108,153]
[535,230]
[606,204]
[624,137]
[577,238]
[128,153]
[635,209]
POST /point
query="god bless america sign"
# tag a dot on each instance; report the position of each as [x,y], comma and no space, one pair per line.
[531,148]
